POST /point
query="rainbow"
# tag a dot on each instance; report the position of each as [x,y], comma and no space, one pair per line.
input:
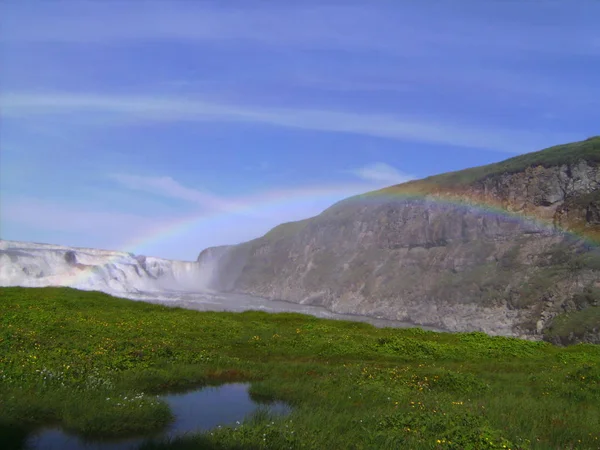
[258,206]
[266,204]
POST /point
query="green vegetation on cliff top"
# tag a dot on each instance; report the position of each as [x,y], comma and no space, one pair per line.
[571,153]
[66,356]
[588,150]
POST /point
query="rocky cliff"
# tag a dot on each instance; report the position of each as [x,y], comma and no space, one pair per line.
[508,249]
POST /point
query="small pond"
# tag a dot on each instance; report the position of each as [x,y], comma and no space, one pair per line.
[194,411]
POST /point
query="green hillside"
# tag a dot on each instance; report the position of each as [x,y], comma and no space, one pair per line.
[588,150]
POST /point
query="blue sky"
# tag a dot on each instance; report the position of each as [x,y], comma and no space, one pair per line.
[123,118]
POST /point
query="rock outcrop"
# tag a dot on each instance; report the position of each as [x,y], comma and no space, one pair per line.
[502,249]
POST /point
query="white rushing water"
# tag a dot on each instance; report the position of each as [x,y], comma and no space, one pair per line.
[148,279]
[38,265]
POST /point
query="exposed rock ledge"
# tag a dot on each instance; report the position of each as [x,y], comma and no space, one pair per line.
[429,260]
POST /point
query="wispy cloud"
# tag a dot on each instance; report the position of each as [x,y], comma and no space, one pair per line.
[216,222]
[173,109]
[397,82]
[396,30]
[108,226]
[81,226]
[372,176]
[381,173]
[461,77]
[166,186]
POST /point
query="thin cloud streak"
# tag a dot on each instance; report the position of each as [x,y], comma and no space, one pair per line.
[168,187]
[381,173]
[120,231]
[103,229]
[171,109]
[373,176]
[347,27]
[63,218]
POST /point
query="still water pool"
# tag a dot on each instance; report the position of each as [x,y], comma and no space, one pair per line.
[194,411]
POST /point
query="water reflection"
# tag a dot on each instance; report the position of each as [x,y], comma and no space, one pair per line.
[194,411]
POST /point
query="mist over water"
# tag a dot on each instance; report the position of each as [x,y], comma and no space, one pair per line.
[149,279]
[38,265]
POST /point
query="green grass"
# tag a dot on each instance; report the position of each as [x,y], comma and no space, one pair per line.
[64,352]
[588,150]
[577,323]
[565,154]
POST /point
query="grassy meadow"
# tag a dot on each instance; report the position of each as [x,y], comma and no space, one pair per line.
[93,364]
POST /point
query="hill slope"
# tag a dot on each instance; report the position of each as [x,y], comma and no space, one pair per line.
[503,248]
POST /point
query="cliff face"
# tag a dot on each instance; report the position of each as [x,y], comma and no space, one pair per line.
[454,251]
